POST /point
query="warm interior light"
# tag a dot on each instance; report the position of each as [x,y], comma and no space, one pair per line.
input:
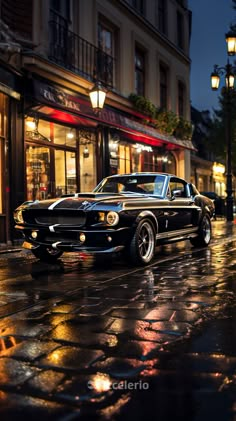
[218,168]
[97,97]
[31,124]
[86,152]
[215,81]
[230,38]
[70,135]
[229,80]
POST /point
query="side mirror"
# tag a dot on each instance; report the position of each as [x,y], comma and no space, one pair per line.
[177,193]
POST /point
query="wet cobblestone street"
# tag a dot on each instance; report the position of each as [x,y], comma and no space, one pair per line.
[80,342]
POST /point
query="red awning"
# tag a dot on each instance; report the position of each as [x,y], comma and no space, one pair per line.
[64,117]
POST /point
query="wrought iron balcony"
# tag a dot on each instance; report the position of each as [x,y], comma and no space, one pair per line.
[78,55]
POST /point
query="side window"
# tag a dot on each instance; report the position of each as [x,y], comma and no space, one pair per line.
[193,190]
[178,188]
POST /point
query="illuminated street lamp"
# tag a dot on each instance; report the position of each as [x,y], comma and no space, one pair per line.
[97,97]
[230,38]
[229,72]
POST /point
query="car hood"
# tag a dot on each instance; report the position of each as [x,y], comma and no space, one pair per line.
[86,201]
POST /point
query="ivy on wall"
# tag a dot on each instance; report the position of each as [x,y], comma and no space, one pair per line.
[165,121]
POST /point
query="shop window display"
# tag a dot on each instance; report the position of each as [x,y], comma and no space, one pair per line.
[50,159]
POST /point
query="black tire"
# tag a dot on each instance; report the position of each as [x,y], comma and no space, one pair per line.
[142,246]
[204,233]
[46,254]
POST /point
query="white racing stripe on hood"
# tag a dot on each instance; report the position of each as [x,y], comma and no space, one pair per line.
[56,203]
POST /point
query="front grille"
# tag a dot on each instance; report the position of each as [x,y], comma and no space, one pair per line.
[60,219]
[47,218]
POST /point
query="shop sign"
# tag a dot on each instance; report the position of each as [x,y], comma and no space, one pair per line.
[145,148]
[113,162]
[58,97]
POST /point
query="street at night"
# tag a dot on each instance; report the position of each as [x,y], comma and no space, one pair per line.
[119,342]
[117,210]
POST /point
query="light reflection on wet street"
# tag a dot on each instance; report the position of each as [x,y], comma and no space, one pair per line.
[81,341]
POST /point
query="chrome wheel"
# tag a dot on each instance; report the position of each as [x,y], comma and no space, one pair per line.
[142,246]
[146,242]
[206,230]
[204,233]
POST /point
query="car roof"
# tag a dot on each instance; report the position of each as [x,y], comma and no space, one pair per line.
[142,173]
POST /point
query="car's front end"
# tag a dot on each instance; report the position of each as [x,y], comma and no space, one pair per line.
[73,224]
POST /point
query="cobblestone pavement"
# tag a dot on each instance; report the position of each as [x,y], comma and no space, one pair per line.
[79,342]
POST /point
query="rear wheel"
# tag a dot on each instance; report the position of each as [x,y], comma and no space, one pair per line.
[46,254]
[142,246]
[204,233]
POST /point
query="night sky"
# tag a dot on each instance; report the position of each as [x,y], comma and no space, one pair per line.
[210,22]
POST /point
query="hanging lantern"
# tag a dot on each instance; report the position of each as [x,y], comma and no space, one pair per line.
[86,152]
[97,97]
[215,81]
[229,80]
[230,38]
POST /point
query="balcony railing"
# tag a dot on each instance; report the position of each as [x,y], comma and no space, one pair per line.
[78,55]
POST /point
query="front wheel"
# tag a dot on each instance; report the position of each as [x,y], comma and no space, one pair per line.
[204,233]
[46,254]
[142,246]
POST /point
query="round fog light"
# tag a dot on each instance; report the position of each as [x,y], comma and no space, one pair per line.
[34,234]
[82,237]
[109,239]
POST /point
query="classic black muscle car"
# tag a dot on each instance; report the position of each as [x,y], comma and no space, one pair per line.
[130,212]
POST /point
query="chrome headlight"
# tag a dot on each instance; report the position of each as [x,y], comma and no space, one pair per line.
[18,217]
[112,218]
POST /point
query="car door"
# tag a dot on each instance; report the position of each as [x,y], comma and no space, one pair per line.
[181,205]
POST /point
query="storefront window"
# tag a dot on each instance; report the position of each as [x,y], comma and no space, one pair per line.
[136,160]
[63,135]
[149,161]
[114,158]
[133,157]
[4,104]
[65,174]
[50,159]
[169,163]
[87,161]
[124,159]
[37,172]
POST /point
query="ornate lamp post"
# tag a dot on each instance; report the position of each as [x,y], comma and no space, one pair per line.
[229,71]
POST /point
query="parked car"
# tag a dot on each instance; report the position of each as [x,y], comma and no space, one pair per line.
[219,202]
[130,212]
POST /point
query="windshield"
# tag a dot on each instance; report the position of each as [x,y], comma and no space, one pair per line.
[143,184]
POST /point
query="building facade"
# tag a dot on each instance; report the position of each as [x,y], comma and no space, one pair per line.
[54,51]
